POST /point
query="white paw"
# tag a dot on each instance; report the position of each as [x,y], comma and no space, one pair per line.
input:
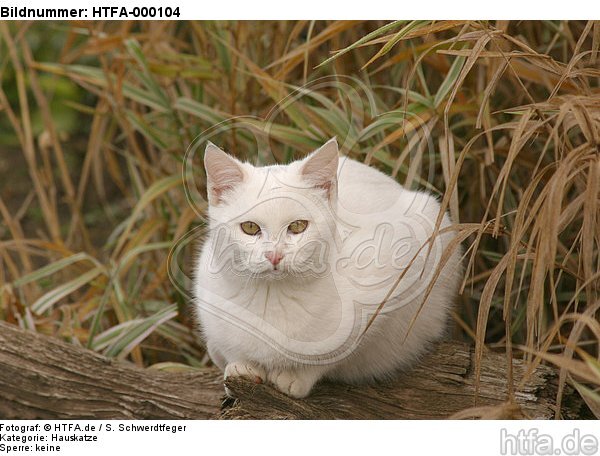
[291,383]
[253,373]
[246,370]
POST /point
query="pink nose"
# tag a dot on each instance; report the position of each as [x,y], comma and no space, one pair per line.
[274,257]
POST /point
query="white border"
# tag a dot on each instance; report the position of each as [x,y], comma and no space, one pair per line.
[302,438]
[364,10]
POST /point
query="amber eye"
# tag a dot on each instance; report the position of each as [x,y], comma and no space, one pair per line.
[250,228]
[298,226]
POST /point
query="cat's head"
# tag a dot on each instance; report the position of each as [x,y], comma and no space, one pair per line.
[274,221]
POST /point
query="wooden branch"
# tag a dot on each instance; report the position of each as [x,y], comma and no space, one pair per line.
[41,377]
[440,386]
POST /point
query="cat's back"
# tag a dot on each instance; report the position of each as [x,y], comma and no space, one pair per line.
[366,190]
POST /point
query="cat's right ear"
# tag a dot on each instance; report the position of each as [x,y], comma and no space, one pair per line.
[321,167]
[223,173]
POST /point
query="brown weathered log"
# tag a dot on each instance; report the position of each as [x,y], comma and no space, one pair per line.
[440,386]
[41,377]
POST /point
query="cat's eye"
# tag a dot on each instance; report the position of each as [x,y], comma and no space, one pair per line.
[298,226]
[250,228]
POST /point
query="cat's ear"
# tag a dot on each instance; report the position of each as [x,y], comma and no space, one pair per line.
[320,168]
[223,173]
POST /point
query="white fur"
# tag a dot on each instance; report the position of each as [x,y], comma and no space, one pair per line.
[308,319]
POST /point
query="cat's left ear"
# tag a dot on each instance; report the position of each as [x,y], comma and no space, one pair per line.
[320,168]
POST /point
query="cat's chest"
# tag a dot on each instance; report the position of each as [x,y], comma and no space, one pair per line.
[294,308]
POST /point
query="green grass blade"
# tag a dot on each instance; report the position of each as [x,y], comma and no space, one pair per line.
[134,49]
[142,126]
[154,191]
[105,338]
[55,295]
[449,80]
[387,47]
[199,110]
[374,34]
[54,267]
[121,347]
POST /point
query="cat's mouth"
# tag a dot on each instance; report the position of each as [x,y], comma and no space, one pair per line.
[275,272]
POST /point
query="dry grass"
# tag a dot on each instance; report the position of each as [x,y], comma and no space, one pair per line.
[513,110]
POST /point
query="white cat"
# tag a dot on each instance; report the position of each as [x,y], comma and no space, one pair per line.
[299,259]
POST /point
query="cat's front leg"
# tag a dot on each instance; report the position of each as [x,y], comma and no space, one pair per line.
[296,383]
[217,357]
